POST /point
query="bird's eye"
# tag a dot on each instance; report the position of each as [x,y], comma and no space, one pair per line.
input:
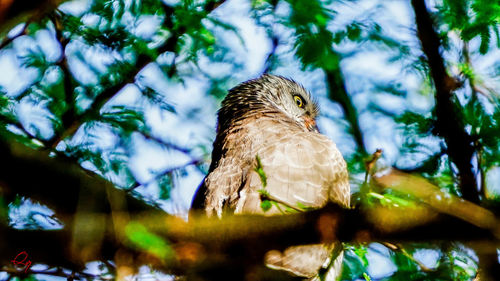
[298,101]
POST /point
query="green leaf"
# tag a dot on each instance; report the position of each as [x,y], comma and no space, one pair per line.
[36,59]
[354,32]
[361,252]
[140,237]
[354,266]
[265,205]
[165,184]
[127,119]
[417,123]
[263,192]
[485,41]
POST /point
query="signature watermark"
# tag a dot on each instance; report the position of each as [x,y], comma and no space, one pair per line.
[24,263]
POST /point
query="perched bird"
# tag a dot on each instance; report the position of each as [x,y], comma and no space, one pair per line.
[269,123]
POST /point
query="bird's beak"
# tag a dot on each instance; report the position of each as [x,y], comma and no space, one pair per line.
[310,124]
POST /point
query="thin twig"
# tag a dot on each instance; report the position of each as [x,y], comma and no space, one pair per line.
[7,40]
[370,163]
[269,197]
[268,63]
[399,248]
[162,174]
[68,82]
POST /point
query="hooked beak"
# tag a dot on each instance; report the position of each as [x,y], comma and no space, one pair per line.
[310,123]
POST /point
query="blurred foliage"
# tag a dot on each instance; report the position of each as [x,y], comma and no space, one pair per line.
[89,99]
[472,19]
[154,245]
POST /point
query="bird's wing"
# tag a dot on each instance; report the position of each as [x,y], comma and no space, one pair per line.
[303,169]
[220,187]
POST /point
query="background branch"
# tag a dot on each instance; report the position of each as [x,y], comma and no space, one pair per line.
[337,92]
[73,122]
[449,123]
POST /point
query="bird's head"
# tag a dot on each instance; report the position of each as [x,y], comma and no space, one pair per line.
[270,93]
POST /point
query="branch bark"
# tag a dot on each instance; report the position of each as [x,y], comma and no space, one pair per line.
[60,184]
[12,12]
[238,241]
[99,223]
[449,123]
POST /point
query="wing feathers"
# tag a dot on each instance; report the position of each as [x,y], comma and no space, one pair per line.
[302,168]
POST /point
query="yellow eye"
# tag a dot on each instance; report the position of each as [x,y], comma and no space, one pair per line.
[298,101]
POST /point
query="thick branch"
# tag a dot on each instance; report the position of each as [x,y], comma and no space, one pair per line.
[60,184]
[233,240]
[13,12]
[442,202]
[97,220]
[449,122]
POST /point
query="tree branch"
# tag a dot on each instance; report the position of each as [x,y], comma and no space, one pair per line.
[13,12]
[99,223]
[237,240]
[60,184]
[97,220]
[337,92]
[449,123]
[438,200]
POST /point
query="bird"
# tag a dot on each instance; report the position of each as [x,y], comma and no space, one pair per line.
[268,148]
